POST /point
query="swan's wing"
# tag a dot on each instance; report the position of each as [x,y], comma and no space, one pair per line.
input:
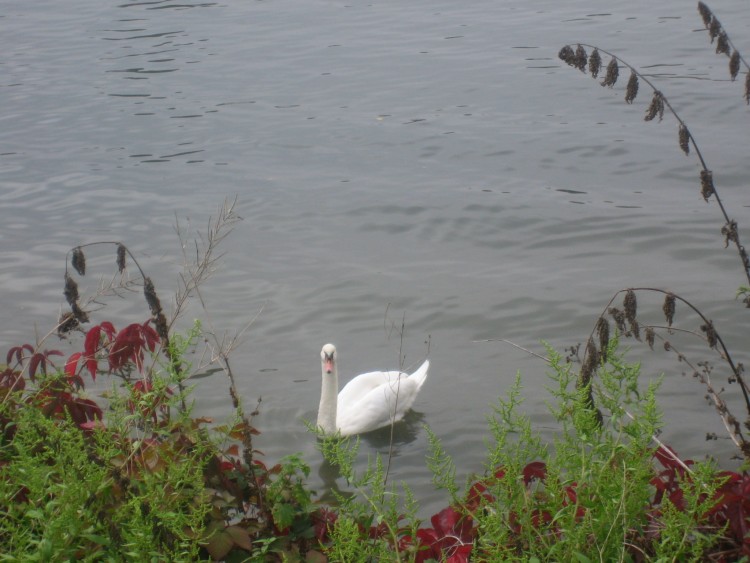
[373,400]
[361,385]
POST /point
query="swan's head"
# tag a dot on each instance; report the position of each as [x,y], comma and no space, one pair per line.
[328,357]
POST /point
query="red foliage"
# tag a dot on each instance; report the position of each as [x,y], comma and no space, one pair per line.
[450,539]
[36,359]
[731,506]
[130,343]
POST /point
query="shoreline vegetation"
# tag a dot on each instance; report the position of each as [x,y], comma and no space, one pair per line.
[136,476]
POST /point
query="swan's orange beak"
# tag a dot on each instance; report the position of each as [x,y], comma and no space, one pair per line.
[328,365]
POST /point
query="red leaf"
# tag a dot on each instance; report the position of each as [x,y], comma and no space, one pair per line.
[150,336]
[71,366]
[125,347]
[109,329]
[477,494]
[449,523]
[36,360]
[445,520]
[18,352]
[669,458]
[534,470]
[92,365]
[93,340]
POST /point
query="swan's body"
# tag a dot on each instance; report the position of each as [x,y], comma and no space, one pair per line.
[369,401]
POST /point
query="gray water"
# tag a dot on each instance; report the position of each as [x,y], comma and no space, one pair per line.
[426,163]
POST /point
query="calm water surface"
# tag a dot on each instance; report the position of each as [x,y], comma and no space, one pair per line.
[431,163]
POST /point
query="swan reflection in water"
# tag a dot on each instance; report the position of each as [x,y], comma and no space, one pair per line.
[404,432]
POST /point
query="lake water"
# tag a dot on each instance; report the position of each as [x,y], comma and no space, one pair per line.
[426,163]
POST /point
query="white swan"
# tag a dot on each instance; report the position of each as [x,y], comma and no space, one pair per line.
[369,401]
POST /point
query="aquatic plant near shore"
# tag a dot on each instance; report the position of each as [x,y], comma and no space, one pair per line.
[580,59]
[625,319]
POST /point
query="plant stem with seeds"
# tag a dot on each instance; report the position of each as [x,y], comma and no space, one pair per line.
[735,238]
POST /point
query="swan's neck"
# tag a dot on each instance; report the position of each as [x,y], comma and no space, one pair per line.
[328,400]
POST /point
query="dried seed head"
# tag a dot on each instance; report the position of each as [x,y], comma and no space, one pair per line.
[668,308]
[734,64]
[722,44]
[730,233]
[66,323]
[619,318]
[684,138]
[71,290]
[632,89]
[567,55]
[714,29]
[613,71]
[80,315]
[153,301]
[161,327]
[602,329]
[595,63]
[121,257]
[747,87]
[656,107]
[650,337]
[78,261]
[580,58]
[590,363]
[630,305]
[705,14]
[711,335]
[707,184]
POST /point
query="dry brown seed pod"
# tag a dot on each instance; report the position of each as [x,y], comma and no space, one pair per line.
[684,138]
[71,290]
[80,315]
[153,301]
[568,55]
[631,91]
[590,363]
[630,304]
[602,329]
[668,308]
[619,318]
[161,327]
[714,29]
[722,44]
[595,63]
[121,257]
[613,71]
[66,323]
[734,64]
[78,261]
[707,184]
[656,107]
[705,13]
[730,233]
[711,335]
[650,337]
[580,58]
